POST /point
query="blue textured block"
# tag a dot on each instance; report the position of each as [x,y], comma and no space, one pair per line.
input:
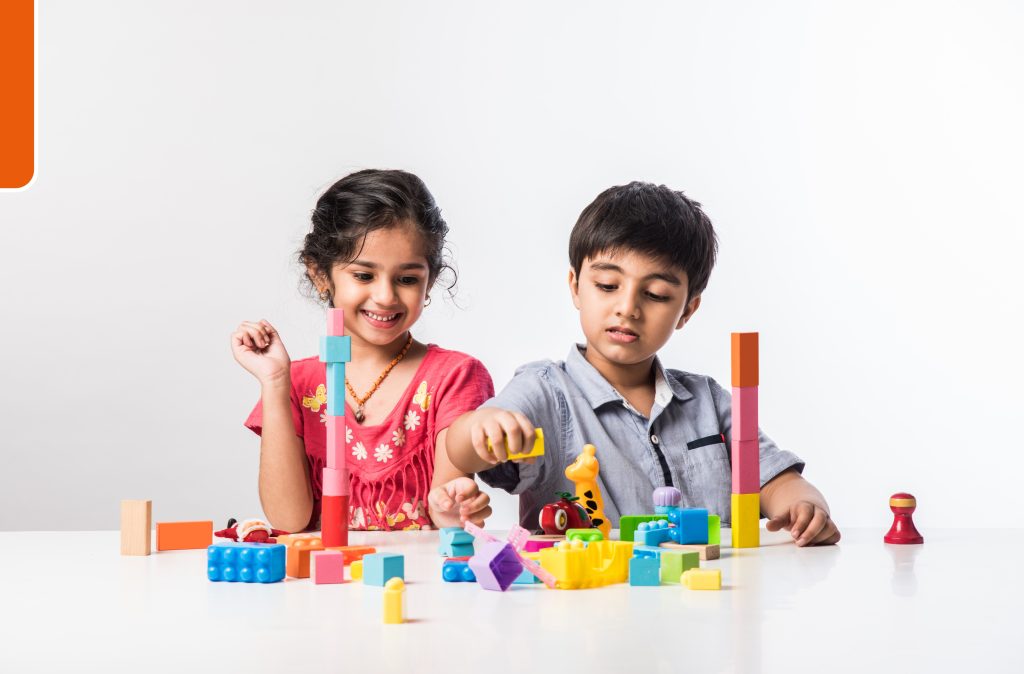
[693,526]
[335,349]
[647,551]
[455,542]
[652,533]
[336,389]
[453,571]
[645,571]
[245,562]
[381,567]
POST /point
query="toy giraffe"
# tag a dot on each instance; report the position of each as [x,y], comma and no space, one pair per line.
[583,472]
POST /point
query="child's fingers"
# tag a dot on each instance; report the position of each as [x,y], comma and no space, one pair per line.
[473,505]
[493,431]
[527,429]
[778,522]
[830,535]
[440,500]
[817,528]
[803,518]
[514,439]
[477,517]
[478,436]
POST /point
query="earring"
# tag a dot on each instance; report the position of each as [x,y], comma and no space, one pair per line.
[427,303]
[325,295]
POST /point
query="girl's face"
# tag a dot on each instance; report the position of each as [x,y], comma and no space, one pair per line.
[384,288]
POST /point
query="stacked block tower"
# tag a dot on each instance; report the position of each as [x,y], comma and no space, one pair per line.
[335,351]
[746,457]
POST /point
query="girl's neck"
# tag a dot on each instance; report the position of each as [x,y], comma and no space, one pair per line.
[379,354]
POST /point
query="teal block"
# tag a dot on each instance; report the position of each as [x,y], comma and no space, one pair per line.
[653,533]
[336,389]
[381,567]
[335,348]
[644,571]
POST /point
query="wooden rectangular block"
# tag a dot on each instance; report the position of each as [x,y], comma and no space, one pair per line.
[336,389]
[335,447]
[744,413]
[327,567]
[746,467]
[744,359]
[335,321]
[184,535]
[136,525]
[704,552]
[746,520]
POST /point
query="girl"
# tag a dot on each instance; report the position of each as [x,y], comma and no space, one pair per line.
[375,250]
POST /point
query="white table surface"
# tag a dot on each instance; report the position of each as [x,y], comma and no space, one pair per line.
[71,602]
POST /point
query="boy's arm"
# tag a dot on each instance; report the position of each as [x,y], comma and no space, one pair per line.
[791,502]
[508,432]
[285,490]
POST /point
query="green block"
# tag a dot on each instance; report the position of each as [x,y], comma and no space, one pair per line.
[586,535]
[628,524]
[714,530]
[675,562]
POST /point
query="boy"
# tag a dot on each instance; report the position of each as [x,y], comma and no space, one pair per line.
[640,257]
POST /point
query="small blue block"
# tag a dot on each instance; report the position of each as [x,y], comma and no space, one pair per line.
[647,551]
[335,349]
[644,571]
[457,572]
[455,542]
[381,567]
[336,389]
[652,533]
[693,526]
[245,562]
[526,578]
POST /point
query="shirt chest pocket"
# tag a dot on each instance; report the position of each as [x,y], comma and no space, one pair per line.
[709,449]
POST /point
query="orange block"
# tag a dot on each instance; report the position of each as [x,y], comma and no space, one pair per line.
[350,553]
[17,91]
[299,547]
[744,359]
[184,535]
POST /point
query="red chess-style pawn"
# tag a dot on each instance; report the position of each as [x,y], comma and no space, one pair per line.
[903,531]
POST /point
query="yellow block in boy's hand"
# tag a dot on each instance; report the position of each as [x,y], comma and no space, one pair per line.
[538,447]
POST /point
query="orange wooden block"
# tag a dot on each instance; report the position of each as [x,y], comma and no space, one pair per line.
[351,553]
[299,547]
[184,535]
[744,359]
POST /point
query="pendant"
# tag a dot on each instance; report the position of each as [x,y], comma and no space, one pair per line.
[359,415]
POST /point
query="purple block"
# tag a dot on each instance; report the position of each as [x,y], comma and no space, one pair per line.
[496,565]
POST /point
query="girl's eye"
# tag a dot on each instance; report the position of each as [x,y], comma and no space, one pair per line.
[409,280]
[362,276]
[606,287]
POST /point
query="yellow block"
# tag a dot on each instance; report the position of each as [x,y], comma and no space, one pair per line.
[746,520]
[355,570]
[702,579]
[599,563]
[537,450]
[394,601]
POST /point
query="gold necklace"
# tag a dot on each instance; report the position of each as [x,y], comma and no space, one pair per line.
[373,389]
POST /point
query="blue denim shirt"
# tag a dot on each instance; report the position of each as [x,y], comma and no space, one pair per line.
[678,445]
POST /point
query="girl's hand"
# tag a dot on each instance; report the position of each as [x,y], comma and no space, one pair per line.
[808,523]
[508,432]
[258,348]
[457,501]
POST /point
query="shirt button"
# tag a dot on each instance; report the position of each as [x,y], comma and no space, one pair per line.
[654,438]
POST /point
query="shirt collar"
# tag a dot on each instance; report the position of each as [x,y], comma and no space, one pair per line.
[598,391]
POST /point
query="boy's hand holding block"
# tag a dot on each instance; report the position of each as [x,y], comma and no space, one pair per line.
[537,450]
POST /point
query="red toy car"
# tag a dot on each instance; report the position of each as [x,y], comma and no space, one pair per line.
[566,513]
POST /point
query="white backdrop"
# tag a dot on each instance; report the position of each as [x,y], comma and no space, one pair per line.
[860,160]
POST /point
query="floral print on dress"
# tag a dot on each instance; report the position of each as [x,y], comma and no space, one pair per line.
[398,437]
[411,516]
[412,420]
[383,453]
[348,434]
[359,451]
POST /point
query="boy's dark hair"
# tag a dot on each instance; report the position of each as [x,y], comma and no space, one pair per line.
[650,219]
[368,200]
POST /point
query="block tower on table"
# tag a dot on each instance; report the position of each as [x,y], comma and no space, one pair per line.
[746,456]
[335,351]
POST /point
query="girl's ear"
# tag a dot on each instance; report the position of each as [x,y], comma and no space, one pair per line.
[574,288]
[317,278]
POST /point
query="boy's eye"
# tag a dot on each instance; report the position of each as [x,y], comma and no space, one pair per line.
[658,298]
[606,287]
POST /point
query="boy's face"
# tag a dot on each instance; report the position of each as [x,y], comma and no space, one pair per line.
[629,305]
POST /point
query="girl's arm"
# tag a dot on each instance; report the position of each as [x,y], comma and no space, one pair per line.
[454,496]
[285,488]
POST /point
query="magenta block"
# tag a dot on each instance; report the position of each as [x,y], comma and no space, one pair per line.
[327,567]
[534,546]
[744,413]
[746,467]
[496,565]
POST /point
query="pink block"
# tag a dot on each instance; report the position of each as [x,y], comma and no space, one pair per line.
[746,467]
[327,567]
[744,413]
[336,322]
[335,441]
[335,482]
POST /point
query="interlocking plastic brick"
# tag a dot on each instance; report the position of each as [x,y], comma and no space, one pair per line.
[691,526]
[455,542]
[355,570]
[457,571]
[629,523]
[381,567]
[702,579]
[299,547]
[245,562]
[327,567]
[644,571]
[652,533]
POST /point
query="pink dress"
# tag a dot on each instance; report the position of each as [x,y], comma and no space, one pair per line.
[390,464]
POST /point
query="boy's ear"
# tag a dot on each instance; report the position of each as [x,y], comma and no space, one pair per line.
[691,308]
[574,288]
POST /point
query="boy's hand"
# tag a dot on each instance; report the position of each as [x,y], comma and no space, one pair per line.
[258,348]
[509,433]
[457,501]
[808,523]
